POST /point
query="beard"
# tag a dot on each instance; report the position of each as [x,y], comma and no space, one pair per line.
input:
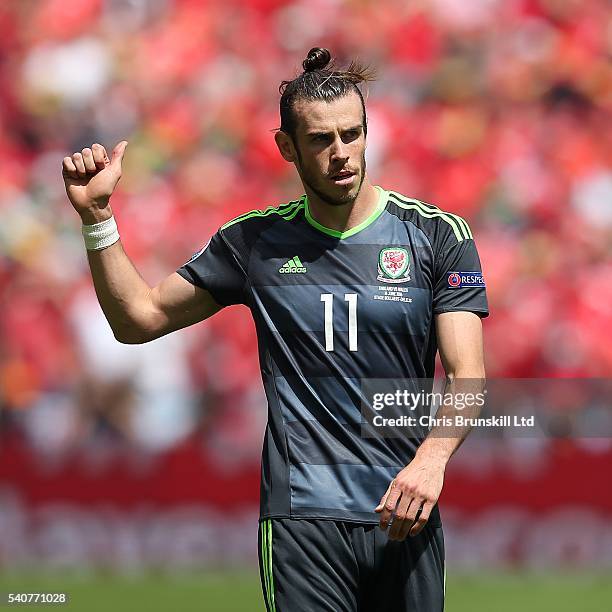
[330,198]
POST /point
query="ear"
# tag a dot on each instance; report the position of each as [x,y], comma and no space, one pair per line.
[285,145]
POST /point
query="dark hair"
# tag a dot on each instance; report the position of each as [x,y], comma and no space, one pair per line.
[321,81]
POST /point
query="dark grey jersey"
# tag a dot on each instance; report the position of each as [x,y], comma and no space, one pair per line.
[331,310]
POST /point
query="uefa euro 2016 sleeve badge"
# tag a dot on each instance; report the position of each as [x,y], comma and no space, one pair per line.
[458,280]
[393,265]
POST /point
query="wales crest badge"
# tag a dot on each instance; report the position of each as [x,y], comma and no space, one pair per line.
[393,265]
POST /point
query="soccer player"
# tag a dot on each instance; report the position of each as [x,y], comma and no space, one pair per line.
[346,283]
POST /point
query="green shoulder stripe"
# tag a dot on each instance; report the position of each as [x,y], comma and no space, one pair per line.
[293,212]
[460,220]
[287,211]
[460,227]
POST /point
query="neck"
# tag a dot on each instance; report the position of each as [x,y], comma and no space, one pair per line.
[344,217]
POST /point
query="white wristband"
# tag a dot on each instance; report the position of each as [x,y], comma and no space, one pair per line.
[100,235]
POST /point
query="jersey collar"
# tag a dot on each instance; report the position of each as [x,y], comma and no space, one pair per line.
[380,206]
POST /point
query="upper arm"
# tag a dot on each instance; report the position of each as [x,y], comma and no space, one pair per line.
[173,304]
[211,279]
[460,344]
[180,303]
[459,300]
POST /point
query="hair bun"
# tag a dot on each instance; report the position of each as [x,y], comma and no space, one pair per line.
[316,59]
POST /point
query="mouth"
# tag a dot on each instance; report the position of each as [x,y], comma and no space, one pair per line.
[345,177]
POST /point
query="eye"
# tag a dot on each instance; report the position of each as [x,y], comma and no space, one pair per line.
[351,135]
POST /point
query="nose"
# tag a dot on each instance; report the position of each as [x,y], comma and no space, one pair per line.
[338,150]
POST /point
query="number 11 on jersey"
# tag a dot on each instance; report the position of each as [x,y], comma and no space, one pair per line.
[328,301]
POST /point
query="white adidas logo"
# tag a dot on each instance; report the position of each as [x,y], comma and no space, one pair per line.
[293,266]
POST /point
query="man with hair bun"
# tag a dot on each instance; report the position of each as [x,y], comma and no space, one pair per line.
[348,282]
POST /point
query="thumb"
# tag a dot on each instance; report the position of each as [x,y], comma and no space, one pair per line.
[118,153]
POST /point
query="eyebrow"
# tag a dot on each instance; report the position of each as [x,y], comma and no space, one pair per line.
[324,133]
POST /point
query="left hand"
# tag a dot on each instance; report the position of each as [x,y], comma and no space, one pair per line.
[418,485]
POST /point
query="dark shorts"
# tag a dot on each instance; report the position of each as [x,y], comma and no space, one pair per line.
[315,565]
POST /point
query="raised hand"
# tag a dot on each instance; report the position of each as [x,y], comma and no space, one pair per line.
[90,178]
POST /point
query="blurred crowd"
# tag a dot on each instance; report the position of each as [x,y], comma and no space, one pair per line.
[497,110]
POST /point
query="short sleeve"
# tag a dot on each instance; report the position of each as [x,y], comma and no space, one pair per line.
[216,269]
[459,283]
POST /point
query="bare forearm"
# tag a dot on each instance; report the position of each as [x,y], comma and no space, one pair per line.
[444,439]
[121,291]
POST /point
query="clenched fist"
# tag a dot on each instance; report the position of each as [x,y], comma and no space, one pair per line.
[90,178]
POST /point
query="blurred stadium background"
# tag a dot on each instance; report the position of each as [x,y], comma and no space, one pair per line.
[129,474]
